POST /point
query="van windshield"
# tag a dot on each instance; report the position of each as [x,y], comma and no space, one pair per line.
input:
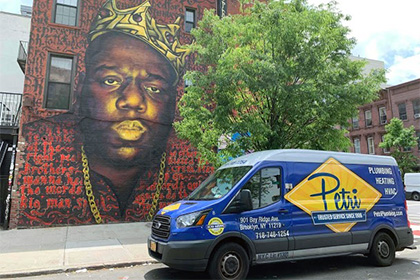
[219,183]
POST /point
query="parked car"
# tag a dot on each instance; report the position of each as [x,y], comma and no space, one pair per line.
[412,185]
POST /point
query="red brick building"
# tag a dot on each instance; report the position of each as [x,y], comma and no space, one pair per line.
[401,101]
[103,78]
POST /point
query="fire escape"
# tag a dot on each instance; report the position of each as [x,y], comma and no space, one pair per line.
[10,111]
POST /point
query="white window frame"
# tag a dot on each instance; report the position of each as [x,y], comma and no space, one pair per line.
[371,145]
[356,143]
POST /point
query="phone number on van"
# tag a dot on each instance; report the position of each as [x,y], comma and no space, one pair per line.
[272,234]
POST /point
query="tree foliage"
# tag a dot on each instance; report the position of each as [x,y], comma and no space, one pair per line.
[278,74]
[397,139]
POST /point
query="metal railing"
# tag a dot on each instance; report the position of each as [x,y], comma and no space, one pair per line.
[22,55]
[10,109]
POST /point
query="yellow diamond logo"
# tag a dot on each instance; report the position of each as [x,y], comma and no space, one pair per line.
[334,196]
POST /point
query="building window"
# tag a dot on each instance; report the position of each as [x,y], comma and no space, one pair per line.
[416,108]
[402,111]
[66,12]
[407,149]
[221,8]
[382,115]
[59,84]
[187,83]
[368,118]
[356,143]
[385,150]
[189,19]
[371,146]
[355,122]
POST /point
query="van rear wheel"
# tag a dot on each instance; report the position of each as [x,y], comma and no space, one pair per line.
[230,261]
[416,196]
[382,252]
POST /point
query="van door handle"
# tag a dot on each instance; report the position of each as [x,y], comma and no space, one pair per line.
[283,211]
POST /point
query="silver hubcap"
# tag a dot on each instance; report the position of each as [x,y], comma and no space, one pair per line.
[383,249]
[230,265]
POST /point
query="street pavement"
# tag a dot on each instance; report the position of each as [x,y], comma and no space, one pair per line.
[25,252]
[28,252]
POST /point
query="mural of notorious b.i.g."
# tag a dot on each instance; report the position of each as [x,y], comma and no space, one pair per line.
[116,157]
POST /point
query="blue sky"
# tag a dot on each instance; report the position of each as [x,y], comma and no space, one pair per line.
[385,30]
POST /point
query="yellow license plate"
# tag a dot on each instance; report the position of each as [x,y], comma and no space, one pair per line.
[153,246]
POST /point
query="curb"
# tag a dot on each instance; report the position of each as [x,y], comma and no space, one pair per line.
[73,269]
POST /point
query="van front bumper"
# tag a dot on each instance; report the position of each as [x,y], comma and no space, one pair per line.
[182,255]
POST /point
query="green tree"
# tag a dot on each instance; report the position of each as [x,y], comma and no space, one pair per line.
[279,74]
[397,139]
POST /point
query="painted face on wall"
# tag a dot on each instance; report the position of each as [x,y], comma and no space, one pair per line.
[128,99]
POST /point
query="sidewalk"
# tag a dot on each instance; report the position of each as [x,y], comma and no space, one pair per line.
[26,252]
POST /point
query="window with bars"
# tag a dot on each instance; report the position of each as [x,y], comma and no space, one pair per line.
[59,83]
[66,12]
[189,19]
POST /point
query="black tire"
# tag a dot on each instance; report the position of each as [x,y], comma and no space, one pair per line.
[382,252]
[415,196]
[230,261]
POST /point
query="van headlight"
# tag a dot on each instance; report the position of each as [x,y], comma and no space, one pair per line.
[192,219]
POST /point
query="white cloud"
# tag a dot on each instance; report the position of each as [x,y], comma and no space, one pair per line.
[386,31]
[404,69]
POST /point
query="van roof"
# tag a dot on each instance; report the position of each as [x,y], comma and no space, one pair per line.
[295,155]
[412,179]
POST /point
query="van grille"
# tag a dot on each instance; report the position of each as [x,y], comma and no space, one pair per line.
[161,226]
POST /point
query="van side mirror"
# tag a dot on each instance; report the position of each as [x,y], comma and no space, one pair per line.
[241,203]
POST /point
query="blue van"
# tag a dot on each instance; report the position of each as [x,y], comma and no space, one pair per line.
[283,205]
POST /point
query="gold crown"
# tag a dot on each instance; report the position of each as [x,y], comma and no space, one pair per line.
[137,22]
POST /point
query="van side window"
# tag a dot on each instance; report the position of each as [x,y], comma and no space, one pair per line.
[265,187]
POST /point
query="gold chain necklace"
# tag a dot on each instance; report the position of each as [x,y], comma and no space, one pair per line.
[91,198]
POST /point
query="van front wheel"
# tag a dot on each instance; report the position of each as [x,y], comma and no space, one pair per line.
[382,252]
[416,196]
[230,261]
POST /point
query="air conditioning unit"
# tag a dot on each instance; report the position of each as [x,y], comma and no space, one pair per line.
[416,116]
